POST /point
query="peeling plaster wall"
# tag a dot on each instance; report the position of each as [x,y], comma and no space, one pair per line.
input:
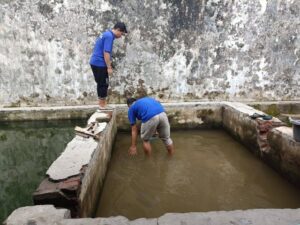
[175,50]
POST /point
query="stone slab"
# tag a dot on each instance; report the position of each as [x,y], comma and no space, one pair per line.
[37,215]
[48,215]
[117,220]
[288,131]
[238,217]
[243,108]
[248,110]
[77,154]
[85,221]
[144,221]
[97,115]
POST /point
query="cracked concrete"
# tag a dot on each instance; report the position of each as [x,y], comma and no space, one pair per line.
[40,215]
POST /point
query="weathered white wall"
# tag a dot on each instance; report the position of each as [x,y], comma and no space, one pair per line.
[176,50]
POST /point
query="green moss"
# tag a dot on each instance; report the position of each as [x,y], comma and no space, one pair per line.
[273,110]
[3,137]
[289,124]
[291,109]
[256,106]
[173,115]
[15,104]
[202,113]
[177,113]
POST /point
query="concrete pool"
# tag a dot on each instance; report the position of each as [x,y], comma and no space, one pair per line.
[269,140]
[209,172]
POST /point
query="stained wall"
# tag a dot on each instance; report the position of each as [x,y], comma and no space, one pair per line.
[175,50]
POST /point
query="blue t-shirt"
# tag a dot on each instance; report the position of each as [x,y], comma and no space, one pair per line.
[144,109]
[103,44]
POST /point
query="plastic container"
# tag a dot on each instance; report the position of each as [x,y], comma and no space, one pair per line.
[296,129]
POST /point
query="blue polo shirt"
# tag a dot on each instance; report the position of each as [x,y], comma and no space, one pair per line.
[103,44]
[144,109]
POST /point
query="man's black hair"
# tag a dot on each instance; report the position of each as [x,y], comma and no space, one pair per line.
[130,101]
[120,26]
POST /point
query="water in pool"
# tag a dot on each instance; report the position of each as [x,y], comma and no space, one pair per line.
[210,171]
[27,149]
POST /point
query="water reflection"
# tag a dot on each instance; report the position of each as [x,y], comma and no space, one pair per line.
[26,151]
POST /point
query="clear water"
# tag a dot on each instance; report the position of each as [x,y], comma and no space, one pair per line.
[209,171]
[27,149]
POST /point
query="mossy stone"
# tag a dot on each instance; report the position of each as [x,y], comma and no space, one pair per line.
[3,137]
[273,110]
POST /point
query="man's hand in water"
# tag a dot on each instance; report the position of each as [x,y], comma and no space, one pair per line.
[132,150]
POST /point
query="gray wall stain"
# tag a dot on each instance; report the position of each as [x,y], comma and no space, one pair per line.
[175,50]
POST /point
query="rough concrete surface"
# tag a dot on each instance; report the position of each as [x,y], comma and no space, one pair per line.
[183,115]
[238,217]
[77,154]
[118,220]
[37,215]
[97,115]
[175,50]
[94,175]
[243,108]
[288,131]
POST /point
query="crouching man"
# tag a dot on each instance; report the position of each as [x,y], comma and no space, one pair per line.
[154,118]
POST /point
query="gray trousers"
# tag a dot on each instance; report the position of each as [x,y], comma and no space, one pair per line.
[159,123]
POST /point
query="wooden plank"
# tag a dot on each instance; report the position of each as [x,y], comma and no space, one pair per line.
[85,132]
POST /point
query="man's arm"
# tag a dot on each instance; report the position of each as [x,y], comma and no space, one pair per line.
[134,133]
[108,62]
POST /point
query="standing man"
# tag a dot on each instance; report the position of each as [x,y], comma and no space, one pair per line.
[101,60]
[154,118]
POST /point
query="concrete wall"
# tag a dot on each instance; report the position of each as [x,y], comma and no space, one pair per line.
[269,140]
[241,126]
[285,153]
[94,175]
[183,115]
[175,50]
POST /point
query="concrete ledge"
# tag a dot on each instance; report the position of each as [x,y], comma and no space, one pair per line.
[83,111]
[46,113]
[39,215]
[238,217]
[95,172]
[77,154]
[75,178]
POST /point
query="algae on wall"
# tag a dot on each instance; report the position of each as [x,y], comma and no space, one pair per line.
[175,50]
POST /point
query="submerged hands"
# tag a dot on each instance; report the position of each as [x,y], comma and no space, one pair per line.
[132,150]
